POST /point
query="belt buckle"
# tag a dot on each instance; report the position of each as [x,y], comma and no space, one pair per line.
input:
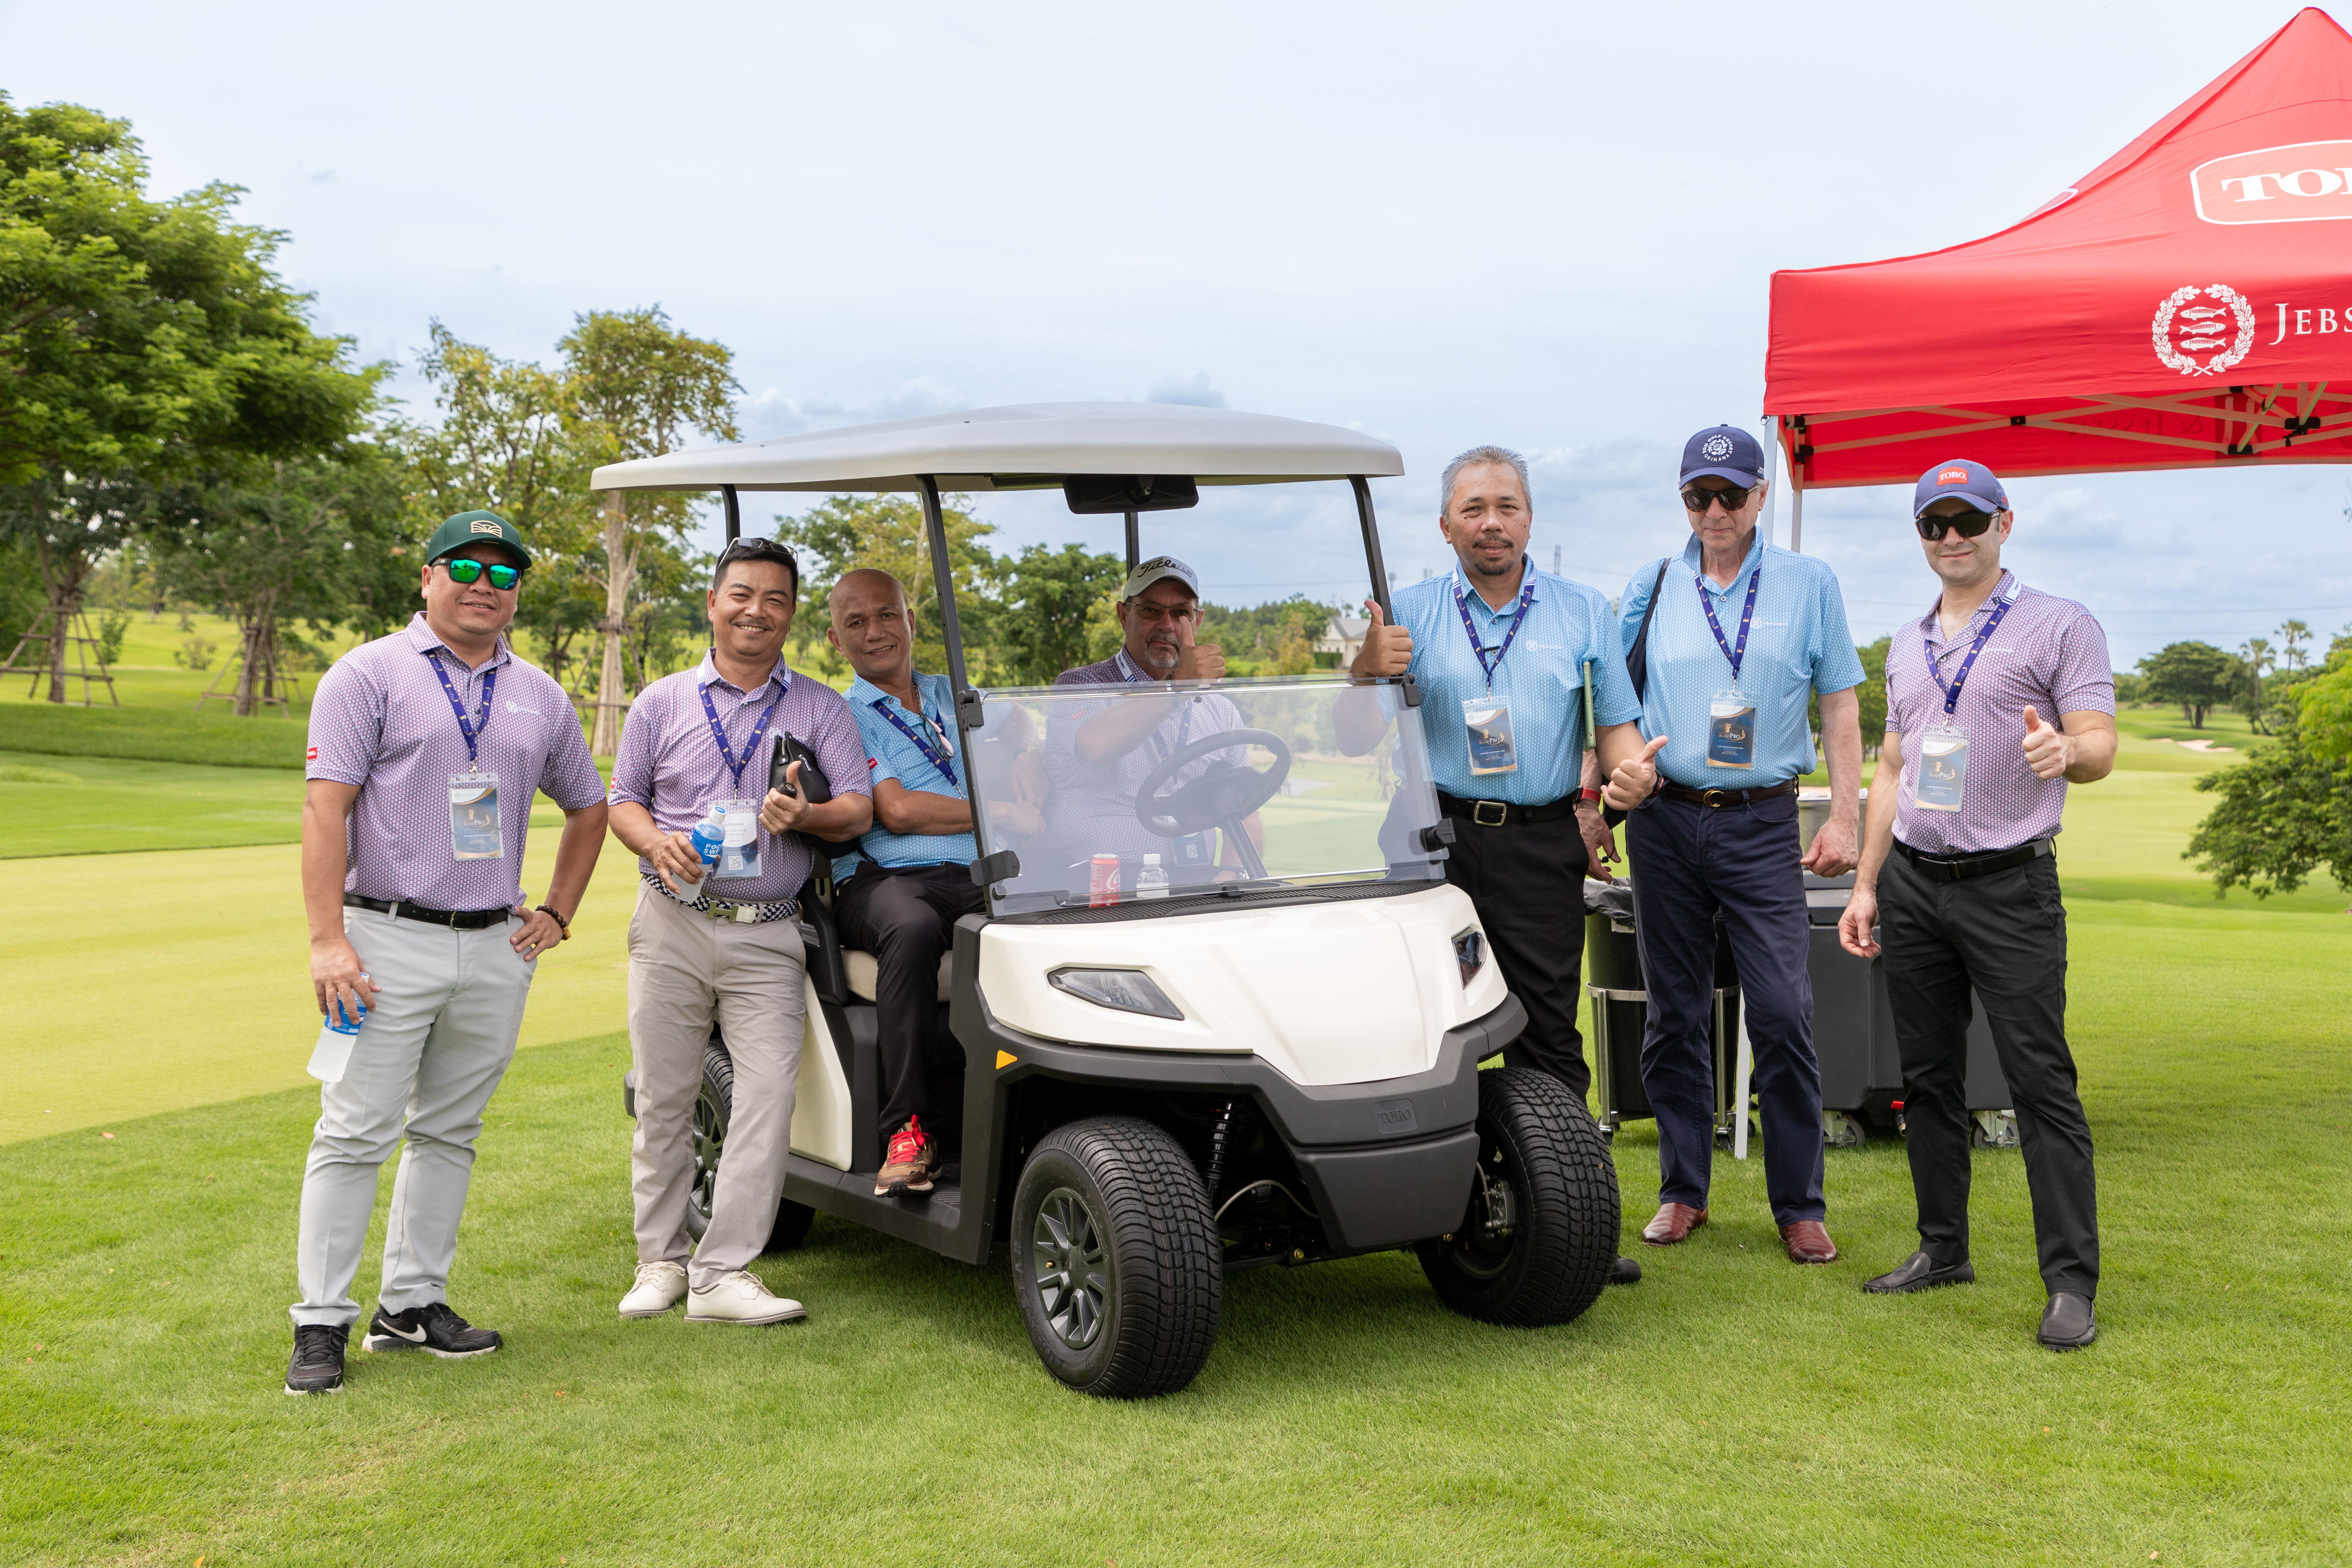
[744,914]
[1713,799]
[1478,812]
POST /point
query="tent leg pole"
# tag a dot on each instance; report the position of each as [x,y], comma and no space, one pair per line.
[1796,513]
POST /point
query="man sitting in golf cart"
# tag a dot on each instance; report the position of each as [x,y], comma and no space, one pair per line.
[1097,757]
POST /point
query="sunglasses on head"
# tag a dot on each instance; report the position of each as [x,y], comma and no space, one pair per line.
[1699,498]
[1967,524]
[502,578]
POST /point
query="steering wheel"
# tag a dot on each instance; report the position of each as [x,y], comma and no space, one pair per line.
[1221,796]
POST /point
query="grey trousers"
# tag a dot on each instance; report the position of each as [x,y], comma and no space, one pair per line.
[686,971]
[432,1049]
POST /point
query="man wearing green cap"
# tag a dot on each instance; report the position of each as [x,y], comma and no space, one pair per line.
[426,749]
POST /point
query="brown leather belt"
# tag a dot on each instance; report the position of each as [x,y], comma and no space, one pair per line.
[1502,812]
[1715,799]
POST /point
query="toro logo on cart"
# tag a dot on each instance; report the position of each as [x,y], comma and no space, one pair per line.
[1391,1117]
[2301,183]
[2201,331]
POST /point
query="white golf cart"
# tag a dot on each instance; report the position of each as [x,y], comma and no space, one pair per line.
[1275,1062]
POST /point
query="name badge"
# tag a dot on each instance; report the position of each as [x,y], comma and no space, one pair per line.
[1487,722]
[1730,731]
[739,852]
[1192,849]
[474,831]
[1943,769]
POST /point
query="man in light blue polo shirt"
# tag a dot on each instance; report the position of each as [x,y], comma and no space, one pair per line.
[910,880]
[1740,635]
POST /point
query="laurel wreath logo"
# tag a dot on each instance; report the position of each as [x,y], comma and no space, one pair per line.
[2186,364]
[1717,449]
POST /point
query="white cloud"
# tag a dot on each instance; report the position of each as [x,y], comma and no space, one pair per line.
[1192,390]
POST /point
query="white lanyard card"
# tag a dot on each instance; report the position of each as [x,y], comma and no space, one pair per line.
[739,854]
[1730,731]
[474,831]
[1943,769]
[1487,722]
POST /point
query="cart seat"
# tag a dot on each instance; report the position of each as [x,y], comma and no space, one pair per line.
[863,973]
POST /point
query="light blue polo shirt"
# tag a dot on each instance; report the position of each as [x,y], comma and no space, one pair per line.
[1542,674]
[892,754]
[1797,644]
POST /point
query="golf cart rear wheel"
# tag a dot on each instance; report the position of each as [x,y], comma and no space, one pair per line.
[1115,1259]
[712,1106]
[1540,1233]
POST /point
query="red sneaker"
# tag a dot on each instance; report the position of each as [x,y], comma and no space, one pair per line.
[907,1166]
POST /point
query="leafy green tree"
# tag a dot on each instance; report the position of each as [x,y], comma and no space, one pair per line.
[2254,661]
[139,340]
[2197,675]
[2282,813]
[1054,611]
[887,533]
[2325,707]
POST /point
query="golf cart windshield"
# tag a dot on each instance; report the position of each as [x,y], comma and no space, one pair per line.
[1225,791]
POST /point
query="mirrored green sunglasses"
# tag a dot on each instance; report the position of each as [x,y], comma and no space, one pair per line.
[502,578]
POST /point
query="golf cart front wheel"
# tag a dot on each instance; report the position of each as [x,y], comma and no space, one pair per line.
[1539,1235]
[1115,1259]
[713,1104]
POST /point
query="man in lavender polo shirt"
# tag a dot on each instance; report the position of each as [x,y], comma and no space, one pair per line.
[1958,878]
[724,947]
[426,748]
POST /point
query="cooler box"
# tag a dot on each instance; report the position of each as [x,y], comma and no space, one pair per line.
[1620,1010]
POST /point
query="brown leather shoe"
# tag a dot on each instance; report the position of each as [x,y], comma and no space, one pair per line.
[1808,1241]
[1673,1223]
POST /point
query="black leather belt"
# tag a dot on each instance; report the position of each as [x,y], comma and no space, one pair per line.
[1502,812]
[1715,799]
[1985,863]
[456,920]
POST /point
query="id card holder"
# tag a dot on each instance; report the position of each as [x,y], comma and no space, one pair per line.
[474,831]
[1730,731]
[1192,849]
[1487,722]
[1943,769]
[739,853]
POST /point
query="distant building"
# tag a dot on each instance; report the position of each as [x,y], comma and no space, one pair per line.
[1345,637]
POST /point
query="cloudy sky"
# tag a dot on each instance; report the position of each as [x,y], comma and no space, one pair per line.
[1551,227]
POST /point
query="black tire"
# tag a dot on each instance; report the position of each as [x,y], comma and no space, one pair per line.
[712,1104]
[1122,1193]
[1542,1164]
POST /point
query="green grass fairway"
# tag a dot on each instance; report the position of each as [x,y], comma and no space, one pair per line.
[1729,1409]
[87,805]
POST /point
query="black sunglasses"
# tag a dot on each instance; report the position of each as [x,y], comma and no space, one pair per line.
[1967,524]
[756,549]
[502,578]
[1699,498]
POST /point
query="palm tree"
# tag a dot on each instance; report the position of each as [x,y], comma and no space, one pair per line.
[2292,635]
[2257,657]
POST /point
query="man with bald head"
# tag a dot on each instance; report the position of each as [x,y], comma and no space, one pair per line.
[911,878]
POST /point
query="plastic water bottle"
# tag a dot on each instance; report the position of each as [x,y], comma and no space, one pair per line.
[339,1033]
[709,837]
[1151,882]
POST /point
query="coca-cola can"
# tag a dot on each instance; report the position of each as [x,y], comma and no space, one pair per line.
[1102,881]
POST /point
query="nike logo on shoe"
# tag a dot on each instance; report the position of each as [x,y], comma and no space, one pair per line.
[415,1336]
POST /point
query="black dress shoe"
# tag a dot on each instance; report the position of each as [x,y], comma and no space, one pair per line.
[1920,1272]
[2068,1322]
[1625,1272]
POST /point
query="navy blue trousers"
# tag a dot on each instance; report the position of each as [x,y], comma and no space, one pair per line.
[1688,861]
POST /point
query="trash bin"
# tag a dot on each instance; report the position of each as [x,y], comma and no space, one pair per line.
[1620,1010]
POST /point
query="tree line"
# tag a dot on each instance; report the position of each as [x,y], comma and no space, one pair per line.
[2258,679]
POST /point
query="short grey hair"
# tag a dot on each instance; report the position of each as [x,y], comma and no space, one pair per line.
[1475,458]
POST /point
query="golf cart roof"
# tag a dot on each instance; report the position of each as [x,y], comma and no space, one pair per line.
[1029,446]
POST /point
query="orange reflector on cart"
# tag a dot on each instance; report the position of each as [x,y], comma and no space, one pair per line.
[1006,1060]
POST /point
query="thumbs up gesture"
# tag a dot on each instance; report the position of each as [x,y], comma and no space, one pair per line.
[1387,651]
[1634,778]
[2047,752]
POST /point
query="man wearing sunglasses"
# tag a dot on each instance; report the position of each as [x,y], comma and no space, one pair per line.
[1958,888]
[1733,635]
[720,944]
[426,748]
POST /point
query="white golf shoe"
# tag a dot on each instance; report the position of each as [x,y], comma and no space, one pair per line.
[659,1287]
[741,1298]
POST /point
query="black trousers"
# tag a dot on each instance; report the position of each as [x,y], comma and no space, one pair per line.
[1528,885]
[905,916]
[2006,934]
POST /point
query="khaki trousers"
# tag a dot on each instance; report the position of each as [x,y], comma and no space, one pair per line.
[687,971]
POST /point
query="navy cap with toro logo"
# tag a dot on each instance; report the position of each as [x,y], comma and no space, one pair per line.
[1724,452]
[1969,482]
[476,527]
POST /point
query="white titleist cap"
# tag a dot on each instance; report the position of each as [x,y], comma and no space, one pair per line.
[1152,571]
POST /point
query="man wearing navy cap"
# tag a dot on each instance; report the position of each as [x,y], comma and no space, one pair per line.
[1733,635]
[1957,886]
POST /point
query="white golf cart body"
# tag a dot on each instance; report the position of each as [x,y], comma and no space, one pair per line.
[1303,1016]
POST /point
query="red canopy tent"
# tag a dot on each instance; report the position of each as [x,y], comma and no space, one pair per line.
[2184,305]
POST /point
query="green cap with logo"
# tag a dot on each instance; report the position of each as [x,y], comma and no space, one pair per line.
[475,527]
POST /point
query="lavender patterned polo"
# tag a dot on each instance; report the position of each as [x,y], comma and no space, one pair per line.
[2048,652]
[669,762]
[380,721]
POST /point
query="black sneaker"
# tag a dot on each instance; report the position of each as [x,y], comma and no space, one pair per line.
[432,1326]
[318,1363]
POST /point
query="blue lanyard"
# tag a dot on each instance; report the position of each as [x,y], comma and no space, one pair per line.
[471,730]
[1748,614]
[1952,693]
[719,733]
[1470,629]
[942,758]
